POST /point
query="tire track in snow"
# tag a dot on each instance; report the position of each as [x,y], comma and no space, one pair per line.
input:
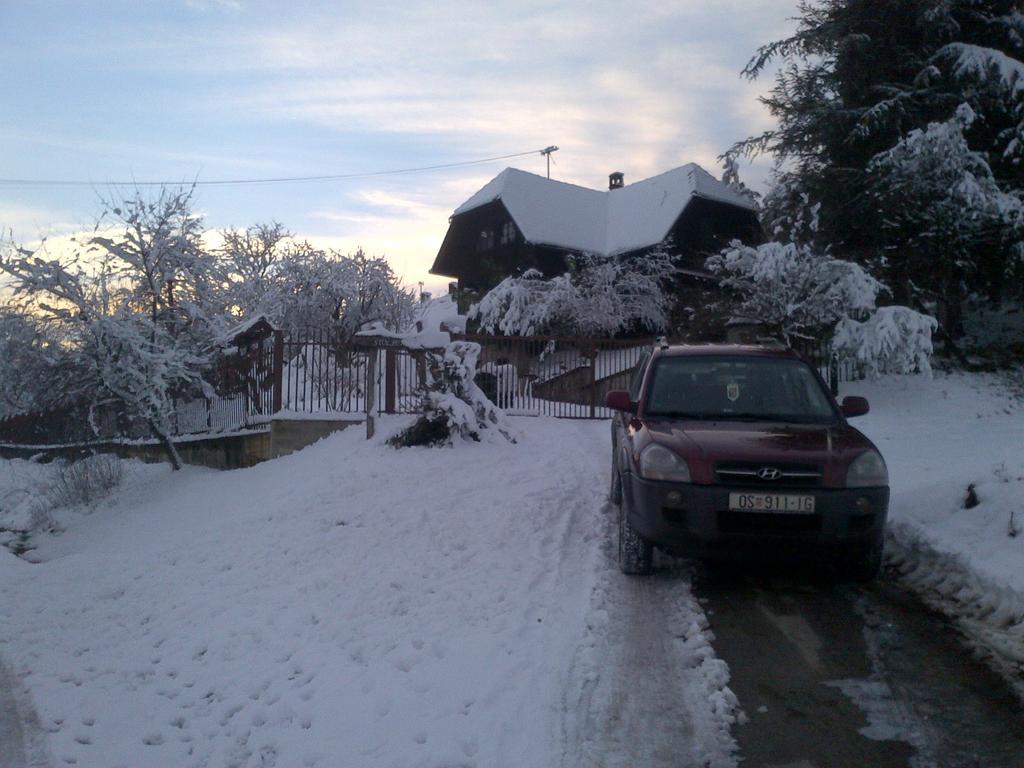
[20,743]
[645,687]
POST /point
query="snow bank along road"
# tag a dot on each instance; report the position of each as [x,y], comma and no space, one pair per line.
[353,605]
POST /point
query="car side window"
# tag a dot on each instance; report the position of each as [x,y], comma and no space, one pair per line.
[638,377]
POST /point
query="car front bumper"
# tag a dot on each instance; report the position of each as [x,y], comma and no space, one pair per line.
[695,520]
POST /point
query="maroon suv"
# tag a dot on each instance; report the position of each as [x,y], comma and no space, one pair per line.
[735,451]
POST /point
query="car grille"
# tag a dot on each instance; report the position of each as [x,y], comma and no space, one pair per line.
[756,522]
[746,474]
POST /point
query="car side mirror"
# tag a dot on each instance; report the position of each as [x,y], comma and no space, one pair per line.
[618,400]
[854,406]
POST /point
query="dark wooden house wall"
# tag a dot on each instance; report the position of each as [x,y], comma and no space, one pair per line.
[464,255]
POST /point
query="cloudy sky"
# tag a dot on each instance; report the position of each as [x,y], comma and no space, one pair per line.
[232,89]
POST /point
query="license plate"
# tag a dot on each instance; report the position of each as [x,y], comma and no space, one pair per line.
[771,502]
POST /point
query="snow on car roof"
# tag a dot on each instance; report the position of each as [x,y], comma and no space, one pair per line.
[550,212]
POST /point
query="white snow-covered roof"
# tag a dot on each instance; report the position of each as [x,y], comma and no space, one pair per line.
[550,212]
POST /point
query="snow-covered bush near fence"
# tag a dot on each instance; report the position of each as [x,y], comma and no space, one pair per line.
[85,480]
[801,292]
[792,287]
[599,295]
[453,405]
[893,340]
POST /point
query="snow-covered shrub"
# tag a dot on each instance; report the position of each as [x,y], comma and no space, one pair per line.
[793,288]
[892,340]
[453,405]
[24,506]
[599,295]
[86,480]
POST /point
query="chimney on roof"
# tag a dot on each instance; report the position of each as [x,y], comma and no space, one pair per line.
[616,180]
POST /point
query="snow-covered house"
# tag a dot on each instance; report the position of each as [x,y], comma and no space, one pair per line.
[520,220]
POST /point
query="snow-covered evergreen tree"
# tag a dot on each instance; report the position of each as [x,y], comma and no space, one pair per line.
[453,405]
[860,87]
[944,215]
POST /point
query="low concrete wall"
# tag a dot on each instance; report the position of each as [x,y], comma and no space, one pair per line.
[290,435]
[218,452]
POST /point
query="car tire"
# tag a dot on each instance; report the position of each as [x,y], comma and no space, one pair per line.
[615,492]
[636,555]
[865,563]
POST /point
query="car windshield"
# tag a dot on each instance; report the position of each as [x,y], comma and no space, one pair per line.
[738,388]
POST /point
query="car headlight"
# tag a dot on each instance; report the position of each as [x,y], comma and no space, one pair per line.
[867,471]
[659,463]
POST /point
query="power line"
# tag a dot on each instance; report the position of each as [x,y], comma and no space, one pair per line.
[59,183]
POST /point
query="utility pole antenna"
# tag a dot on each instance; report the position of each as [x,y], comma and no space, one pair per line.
[547,153]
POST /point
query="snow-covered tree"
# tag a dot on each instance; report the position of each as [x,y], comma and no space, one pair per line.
[320,289]
[731,178]
[35,367]
[130,307]
[944,215]
[453,405]
[249,259]
[856,84]
[893,340]
[793,289]
[598,296]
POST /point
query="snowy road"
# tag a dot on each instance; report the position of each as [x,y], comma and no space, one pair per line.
[846,677]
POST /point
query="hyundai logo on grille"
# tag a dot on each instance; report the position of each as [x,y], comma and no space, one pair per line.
[769,473]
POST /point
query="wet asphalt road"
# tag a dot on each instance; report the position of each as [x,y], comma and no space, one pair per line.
[839,676]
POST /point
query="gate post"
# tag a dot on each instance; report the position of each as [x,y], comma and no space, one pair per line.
[371,390]
[278,372]
[833,374]
[593,382]
[390,379]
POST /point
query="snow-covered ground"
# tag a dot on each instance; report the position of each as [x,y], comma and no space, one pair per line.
[939,436]
[350,604]
[356,605]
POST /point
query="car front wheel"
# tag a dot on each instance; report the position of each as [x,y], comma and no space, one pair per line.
[636,556]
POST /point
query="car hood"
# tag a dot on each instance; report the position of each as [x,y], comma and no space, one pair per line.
[705,443]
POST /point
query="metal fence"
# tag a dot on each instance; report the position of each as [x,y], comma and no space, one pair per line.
[318,371]
[566,377]
[833,369]
[323,372]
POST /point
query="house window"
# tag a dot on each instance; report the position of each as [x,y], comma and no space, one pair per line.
[486,240]
[508,232]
